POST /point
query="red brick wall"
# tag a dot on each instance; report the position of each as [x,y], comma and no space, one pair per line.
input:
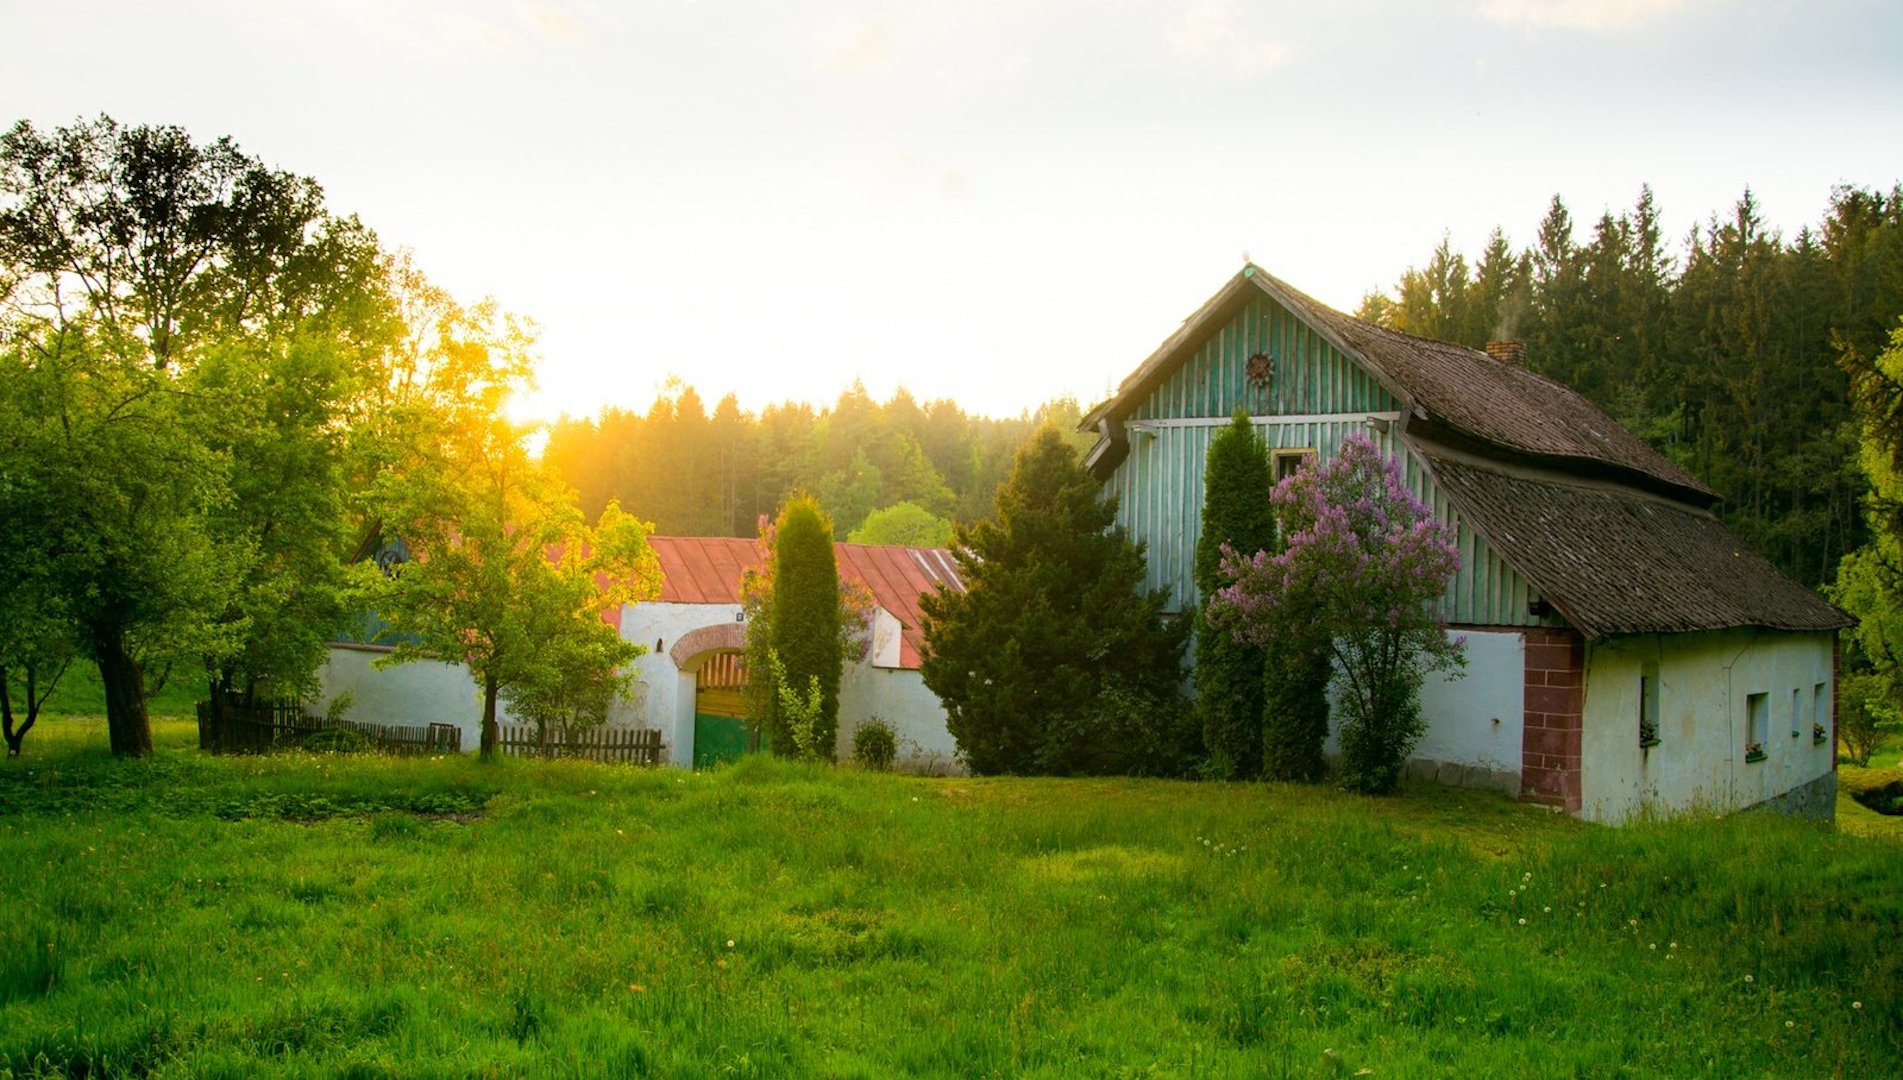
[1555,703]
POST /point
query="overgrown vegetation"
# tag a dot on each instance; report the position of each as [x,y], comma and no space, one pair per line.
[348,916]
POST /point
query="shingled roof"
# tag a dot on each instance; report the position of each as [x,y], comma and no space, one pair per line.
[709,569]
[1495,402]
[1613,535]
[1616,561]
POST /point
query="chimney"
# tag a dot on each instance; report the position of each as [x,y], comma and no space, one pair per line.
[1508,352]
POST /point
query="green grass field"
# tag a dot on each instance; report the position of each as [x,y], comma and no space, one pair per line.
[363,917]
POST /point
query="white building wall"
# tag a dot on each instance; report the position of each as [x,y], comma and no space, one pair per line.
[1704,681]
[1474,717]
[414,694]
[900,698]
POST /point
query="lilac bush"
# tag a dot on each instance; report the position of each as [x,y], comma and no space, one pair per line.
[1367,561]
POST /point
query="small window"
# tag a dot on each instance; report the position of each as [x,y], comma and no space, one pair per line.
[1757,716]
[1820,713]
[1649,706]
[1797,712]
[1288,462]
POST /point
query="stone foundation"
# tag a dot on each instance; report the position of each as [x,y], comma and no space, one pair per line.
[1455,774]
[1816,800]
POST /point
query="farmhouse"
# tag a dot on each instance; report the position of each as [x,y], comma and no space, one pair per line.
[692,677]
[1627,653]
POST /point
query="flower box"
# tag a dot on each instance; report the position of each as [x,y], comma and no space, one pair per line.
[1753,752]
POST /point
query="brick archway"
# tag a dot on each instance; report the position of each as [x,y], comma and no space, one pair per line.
[713,638]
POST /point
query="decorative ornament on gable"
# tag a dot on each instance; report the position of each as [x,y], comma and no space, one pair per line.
[1259,370]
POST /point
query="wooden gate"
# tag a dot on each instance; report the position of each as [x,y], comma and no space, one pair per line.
[720,710]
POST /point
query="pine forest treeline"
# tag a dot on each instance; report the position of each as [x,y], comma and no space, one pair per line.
[1727,351]
[698,473]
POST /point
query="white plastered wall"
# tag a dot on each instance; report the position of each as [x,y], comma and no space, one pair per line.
[415,694]
[1474,717]
[900,697]
[1704,681]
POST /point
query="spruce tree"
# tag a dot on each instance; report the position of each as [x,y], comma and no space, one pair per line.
[1229,673]
[805,631]
[1055,659]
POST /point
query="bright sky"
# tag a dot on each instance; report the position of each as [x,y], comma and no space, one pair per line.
[997,201]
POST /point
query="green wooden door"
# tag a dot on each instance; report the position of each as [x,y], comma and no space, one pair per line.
[720,724]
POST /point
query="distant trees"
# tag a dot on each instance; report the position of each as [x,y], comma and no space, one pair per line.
[1367,562]
[699,474]
[1056,659]
[907,524]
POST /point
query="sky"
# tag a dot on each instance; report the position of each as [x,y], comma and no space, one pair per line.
[995,201]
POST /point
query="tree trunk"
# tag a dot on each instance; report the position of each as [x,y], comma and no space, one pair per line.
[6,711]
[491,733]
[126,722]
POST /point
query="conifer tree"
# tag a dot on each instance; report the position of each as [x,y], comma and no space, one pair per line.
[806,621]
[1229,672]
[1055,659]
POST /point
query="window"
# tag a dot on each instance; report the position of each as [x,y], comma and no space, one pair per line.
[1820,713]
[1649,705]
[1757,717]
[1288,462]
[1797,718]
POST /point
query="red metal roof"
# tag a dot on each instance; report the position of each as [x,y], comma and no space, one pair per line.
[708,569]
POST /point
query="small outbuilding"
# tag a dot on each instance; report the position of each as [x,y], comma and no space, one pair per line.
[693,678]
[1627,652]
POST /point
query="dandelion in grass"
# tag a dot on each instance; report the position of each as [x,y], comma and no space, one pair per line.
[1522,921]
[1857,1005]
[1749,979]
[1790,1023]
[730,943]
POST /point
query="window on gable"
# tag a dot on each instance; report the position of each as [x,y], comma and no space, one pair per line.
[1649,705]
[1288,462]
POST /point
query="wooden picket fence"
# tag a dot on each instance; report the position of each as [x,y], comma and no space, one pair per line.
[262,727]
[626,746]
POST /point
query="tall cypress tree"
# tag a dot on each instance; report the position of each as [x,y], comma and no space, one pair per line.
[806,618]
[1229,674]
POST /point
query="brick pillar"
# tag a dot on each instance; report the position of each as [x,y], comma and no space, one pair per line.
[1555,704]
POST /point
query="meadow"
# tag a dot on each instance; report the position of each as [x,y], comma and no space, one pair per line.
[309,915]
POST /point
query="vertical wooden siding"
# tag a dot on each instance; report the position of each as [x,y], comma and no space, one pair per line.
[1159,486]
[1310,375]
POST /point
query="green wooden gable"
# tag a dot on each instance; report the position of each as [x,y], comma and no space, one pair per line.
[1304,395]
